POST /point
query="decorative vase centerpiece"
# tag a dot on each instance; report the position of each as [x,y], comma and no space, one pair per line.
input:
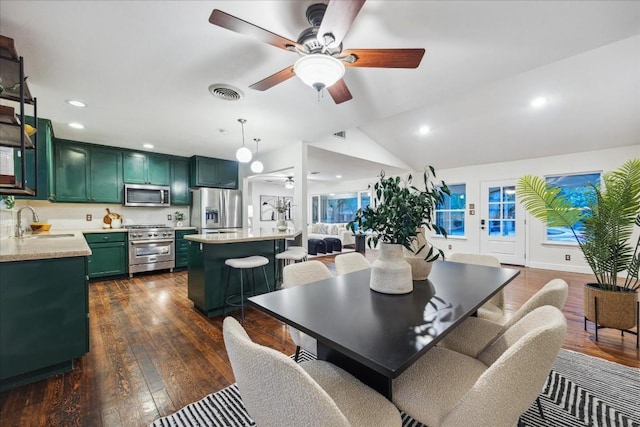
[399,214]
[178,217]
[604,233]
[281,207]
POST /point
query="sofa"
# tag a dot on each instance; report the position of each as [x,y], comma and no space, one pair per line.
[320,230]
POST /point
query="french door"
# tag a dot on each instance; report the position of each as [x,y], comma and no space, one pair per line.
[502,223]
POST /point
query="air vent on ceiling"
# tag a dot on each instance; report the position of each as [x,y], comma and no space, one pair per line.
[342,134]
[226,92]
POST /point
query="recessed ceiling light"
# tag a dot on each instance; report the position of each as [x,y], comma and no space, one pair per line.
[76,125]
[147,145]
[539,102]
[424,130]
[76,103]
[338,176]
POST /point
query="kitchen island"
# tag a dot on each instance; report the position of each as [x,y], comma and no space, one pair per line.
[208,252]
[44,306]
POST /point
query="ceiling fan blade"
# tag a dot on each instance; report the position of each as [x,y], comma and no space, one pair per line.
[230,22]
[338,18]
[339,92]
[384,58]
[274,79]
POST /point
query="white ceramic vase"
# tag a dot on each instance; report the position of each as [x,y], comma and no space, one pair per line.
[391,273]
[420,268]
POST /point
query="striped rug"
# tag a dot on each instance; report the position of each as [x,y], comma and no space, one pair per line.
[581,391]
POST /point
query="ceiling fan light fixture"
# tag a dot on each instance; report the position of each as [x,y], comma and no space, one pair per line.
[243,154]
[288,184]
[319,70]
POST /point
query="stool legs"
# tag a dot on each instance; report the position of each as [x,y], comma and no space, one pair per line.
[253,287]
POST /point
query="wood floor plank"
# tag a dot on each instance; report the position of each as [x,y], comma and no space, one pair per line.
[152,353]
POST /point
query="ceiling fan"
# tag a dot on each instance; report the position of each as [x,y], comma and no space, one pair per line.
[322,59]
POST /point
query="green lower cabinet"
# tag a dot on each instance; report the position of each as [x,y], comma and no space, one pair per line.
[182,248]
[44,318]
[108,254]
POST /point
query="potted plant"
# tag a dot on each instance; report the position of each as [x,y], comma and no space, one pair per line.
[400,211]
[603,232]
[178,217]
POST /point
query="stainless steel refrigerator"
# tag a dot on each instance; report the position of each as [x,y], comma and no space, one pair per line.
[215,208]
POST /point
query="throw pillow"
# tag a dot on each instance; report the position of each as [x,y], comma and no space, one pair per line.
[322,228]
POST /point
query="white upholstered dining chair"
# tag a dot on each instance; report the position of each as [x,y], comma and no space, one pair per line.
[494,308]
[445,388]
[350,262]
[301,274]
[474,334]
[276,391]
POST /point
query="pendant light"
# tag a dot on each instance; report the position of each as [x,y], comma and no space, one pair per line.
[243,154]
[257,166]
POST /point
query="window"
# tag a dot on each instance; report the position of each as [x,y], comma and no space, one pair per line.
[450,214]
[577,189]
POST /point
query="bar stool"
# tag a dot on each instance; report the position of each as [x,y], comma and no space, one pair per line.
[247,263]
[293,253]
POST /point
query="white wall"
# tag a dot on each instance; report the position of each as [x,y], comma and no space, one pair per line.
[539,254]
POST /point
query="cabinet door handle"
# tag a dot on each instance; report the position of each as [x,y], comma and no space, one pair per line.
[105,238]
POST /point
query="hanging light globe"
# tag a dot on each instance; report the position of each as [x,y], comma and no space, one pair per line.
[257,166]
[243,155]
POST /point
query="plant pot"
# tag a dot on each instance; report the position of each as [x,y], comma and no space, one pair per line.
[391,273]
[420,268]
[615,309]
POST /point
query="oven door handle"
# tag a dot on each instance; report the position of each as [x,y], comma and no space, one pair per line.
[146,242]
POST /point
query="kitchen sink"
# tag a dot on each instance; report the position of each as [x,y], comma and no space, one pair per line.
[46,236]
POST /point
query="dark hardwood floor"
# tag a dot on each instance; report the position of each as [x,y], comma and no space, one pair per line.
[152,353]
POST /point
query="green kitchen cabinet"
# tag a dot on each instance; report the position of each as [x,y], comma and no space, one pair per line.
[44,318]
[145,168]
[43,167]
[108,254]
[87,173]
[180,182]
[182,248]
[210,172]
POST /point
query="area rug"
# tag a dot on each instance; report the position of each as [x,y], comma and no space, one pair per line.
[580,391]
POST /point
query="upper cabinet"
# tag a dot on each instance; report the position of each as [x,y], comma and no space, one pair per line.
[15,134]
[209,172]
[180,181]
[87,174]
[146,168]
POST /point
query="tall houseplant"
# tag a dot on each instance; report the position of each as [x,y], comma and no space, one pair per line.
[605,237]
[400,210]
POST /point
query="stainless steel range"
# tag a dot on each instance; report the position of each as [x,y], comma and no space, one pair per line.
[151,247]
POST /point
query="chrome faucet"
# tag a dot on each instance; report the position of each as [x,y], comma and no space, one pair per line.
[19,230]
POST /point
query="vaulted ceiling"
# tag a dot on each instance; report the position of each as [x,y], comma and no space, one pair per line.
[144,68]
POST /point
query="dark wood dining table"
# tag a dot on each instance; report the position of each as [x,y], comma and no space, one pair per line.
[377,336]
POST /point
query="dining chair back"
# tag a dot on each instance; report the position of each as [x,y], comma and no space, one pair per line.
[276,391]
[301,274]
[494,308]
[350,262]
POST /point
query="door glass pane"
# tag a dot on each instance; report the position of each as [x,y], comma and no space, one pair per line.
[509,194]
[494,194]
[509,228]
[494,211]
[494,228]
[509,211]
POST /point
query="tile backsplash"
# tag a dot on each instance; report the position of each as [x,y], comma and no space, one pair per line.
[73,216]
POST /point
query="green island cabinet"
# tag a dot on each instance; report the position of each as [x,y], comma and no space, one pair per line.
[210,172]
[182,248]
[44,318]
[180,194]
[146,168]
[86,173]
[108,254]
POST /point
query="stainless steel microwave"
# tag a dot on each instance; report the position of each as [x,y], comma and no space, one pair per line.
[146,195]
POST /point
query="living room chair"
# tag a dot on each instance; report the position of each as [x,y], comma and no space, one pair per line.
[301,274]
[494,308]
[450,389]
[474,334]
[276,391]
[353,261]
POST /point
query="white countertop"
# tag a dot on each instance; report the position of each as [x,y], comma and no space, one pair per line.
[44,246]
[243,235]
